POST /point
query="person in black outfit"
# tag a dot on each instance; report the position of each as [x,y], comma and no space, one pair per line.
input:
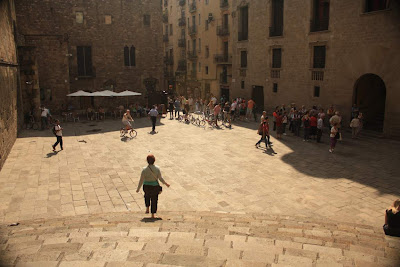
[171,109]
[392,220]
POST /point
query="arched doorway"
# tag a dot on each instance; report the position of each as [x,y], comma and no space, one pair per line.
[370,98]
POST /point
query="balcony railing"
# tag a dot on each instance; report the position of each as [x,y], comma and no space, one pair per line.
[192,55]
[275,74]
[169,60]
[192,7]
[224,4]
[182,21]
[317,75]
[165,38]
[319,25]
[192,30]
[276,30]
[223,30]
[223,58]
[182,42]
[165,17]
[182,2]
[223,78]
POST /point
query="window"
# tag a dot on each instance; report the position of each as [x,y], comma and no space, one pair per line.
[170,29]
[242,84]
[199,20]
[107,19]
[146,20]
[207,51]
[276,28]
[199,45]
[320,20]
[319,57]
[206,69]
[206,23]
[243,23]
[274,87]
[243,59]
[207,2]
[199,66]
[375,5]
[84,58]
[277,58]
[316,91]
[79,17]
[130,56]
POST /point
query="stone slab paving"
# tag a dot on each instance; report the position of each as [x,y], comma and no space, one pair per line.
[195,239]
[209,170]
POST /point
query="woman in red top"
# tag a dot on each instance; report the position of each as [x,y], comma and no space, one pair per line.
[264,132]
[313,127]
[279,125]
[306,124]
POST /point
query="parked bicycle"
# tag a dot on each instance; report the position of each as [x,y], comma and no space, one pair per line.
[30,123]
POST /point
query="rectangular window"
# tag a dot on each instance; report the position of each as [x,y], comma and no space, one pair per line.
[206,23]
[199,45]
[276,28]
[243,59]
[319,57]
[207,51]
[146,20]
[199,66]
[84,58]
[375,5]
[243,24]
[320,20]
[79,17]
[199,20]
[274,87]
[206,69]
[316,91]
[242,84]
[277,58]
[170,29]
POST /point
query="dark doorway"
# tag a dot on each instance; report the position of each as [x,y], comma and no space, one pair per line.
[258,96]
[225,93]
[370,98]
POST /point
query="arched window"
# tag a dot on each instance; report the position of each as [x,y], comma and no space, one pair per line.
[129,56]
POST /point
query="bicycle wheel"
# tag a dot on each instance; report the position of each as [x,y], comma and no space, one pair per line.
[122,132]
[35,126]
[132,133]
[202,123]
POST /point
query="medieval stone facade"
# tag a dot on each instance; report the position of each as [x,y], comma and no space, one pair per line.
[92,45]
[8,79]
[320,52]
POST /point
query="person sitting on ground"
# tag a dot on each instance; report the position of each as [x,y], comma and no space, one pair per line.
[126,120]
[392,220]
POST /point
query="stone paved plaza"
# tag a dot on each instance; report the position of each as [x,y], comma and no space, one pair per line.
[229,204]
[209,170]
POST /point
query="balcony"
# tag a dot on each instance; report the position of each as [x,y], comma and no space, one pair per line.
[182,21]
[182,66]
[168,60]
[182,2]
[192,30]
[276,74]
[276,30]
[192,55]
[165,17]
[182,42]
[192,7]
[317,25]
[165,38]
[223,30]
[224,4]
[223,78]
[317,75]
[223,58]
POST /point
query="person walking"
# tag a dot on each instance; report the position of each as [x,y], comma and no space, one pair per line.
[153,116]
[177,106]
[306,124]
[263,130]
[284,122]
[57,130]
[149,178]
[43,116]
[355,127]
[249,111]
[217,110]
[274,115]
[334,136]
[320,126]
[279,125]
[171,109]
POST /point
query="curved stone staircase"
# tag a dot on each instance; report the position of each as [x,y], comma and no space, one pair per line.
[195,239]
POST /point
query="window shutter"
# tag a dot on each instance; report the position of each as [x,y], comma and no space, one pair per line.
[133,56]
[80,60]
[319,57]
[276,58]
[88,61]
[126,56]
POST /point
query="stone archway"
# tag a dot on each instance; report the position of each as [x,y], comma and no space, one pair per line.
[370,97]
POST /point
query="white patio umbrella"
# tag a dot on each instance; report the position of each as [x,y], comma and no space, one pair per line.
[127,93]
[80,93]
[104,93]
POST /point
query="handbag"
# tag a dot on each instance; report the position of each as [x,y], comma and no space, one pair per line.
[260,129]
[337,136]
[159,186]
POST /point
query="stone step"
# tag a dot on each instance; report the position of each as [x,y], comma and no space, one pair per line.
[195,239]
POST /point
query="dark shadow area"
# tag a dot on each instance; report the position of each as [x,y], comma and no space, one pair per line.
[151,220]
[49,155]
[369,160]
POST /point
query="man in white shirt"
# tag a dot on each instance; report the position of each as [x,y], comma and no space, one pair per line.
[214,100]
[153,116]
[233,108]
[57,130]
[45,112]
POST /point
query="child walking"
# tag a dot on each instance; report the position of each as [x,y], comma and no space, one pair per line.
[333,136]
[57,130]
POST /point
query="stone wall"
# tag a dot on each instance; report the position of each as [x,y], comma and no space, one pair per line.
[8,79]
[357,43]
[108,26]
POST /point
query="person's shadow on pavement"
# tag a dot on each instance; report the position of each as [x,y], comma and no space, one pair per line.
[270,151]
[49,155]
[150,220]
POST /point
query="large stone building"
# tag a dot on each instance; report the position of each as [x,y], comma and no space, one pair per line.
[8,79]
[89,45]
[198,57]
[320,52]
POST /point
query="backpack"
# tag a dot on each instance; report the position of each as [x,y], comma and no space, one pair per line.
[54,130]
